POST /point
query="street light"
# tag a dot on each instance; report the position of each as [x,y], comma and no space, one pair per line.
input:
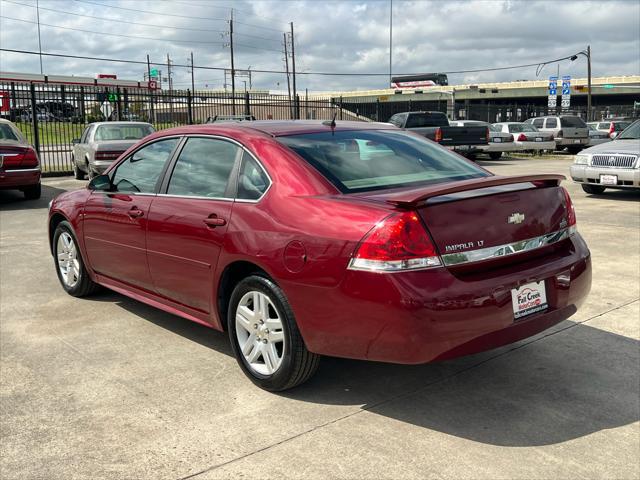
[586,53]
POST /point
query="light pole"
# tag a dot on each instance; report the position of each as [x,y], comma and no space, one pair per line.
[586,53]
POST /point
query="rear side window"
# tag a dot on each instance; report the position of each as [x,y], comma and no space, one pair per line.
[552,122]
[203,168]
[538,122]
[140,172]
[252,181]
[575,122]
[603,126]
[372,160]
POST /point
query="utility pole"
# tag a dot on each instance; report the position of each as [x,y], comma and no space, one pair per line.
[170,87]
[589,82]
[193,82]
[151,94]
[39,39]
[390,39]
[293,68]
[286,64]
[233,68]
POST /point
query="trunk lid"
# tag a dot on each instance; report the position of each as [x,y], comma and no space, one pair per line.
[487,213]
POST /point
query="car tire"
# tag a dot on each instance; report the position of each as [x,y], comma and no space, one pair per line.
[77,173]
[275,359]
[574,150]
[593,189]
[495,155]
[32,192]
[73,275]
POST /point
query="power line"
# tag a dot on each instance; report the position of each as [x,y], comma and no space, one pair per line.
[134,36]
[117,20]
[328,74]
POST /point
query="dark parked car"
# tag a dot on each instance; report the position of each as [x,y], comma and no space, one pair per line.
[309,238]
[19,162]
[465,139]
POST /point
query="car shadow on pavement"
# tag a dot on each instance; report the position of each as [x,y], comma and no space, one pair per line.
[14,199]
[566,384]
[617,195]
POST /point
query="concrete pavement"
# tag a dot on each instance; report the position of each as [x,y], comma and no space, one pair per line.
[106,387]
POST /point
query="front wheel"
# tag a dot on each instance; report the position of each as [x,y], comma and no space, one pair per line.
[593,189]
[70,268]
[265,337]
[77,173]
[574,150]
[495,155]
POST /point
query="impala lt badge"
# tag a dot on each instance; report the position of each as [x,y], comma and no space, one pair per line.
[516,218]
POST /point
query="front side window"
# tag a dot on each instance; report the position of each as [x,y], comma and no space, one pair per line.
[378,159]
[140,172]
[203,168]
[85,134]
[632,132]
[252,181]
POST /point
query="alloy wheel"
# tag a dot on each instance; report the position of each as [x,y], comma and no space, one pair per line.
[259,333]
[68,262]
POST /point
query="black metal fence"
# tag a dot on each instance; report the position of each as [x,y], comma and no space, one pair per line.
[52,115]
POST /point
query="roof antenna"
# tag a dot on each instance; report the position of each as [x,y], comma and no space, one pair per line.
[331,123]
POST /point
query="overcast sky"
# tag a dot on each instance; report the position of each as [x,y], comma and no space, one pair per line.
[331,36]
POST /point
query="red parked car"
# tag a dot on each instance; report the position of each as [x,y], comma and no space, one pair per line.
[19,163]
[309,238]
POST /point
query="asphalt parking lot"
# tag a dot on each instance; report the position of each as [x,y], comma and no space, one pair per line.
[106,387]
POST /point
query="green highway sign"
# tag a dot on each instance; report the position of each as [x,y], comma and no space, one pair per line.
[608,85]
[153,73]
[112,97]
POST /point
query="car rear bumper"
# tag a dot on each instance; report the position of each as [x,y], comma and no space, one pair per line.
[422,316]
[548,145]
[627,177]
[571,142]
[100,166]
[499,147]
[12,179]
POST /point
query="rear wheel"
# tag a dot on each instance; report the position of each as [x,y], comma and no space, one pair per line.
[574,150]
[495,155]
[593,189]
[265,338]
[32,192]
[70,268]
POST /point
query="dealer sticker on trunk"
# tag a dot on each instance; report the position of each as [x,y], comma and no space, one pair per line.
[529,298]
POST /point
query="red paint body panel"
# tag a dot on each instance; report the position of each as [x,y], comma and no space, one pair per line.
[17,179]
[170,259]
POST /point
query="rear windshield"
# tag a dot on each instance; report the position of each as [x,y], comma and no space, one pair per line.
[576,122]
[418,120]
[122,132]
[632,132]
[7,133]
[521,127]
[372,160]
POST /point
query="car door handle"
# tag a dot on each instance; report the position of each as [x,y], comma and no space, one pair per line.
[213,221]
[135,212]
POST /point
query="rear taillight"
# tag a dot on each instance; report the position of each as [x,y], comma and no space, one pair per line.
[19,157]
[438,135]
[107,155]
[398,243]
[571,212]
[522,137]
[488,135]
[559,134]
[612,130]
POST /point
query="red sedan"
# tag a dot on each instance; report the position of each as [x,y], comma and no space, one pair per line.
[309,238]
[19,163]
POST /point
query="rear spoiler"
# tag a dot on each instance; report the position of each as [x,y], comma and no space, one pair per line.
[413,197]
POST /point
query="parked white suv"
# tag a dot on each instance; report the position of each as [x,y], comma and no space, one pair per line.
[568,131]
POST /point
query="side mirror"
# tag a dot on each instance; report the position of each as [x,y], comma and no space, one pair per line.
[101,183]
[75,141]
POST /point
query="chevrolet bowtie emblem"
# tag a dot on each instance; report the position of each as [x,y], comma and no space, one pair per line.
[516,218]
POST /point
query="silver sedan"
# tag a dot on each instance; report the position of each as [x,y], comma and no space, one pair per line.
[103,142]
